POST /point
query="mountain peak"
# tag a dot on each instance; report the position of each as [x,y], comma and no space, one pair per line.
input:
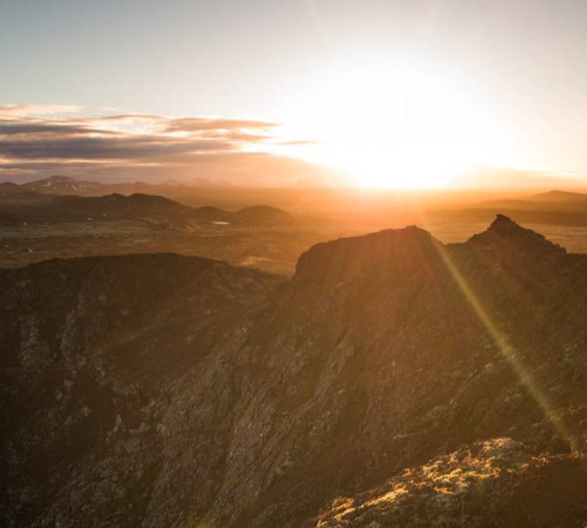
[59,178]
[374,255]
[504,224]
[505,232]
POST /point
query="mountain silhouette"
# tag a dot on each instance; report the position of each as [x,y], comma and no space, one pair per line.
[34,206]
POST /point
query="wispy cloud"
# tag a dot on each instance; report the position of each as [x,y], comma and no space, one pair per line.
[198,124]
[7,111]
[43,140]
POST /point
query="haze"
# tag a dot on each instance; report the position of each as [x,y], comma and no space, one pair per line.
[378,94]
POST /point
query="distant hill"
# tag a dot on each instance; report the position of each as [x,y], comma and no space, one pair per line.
[262,214]
[553,207]
[210,213]
[21,197]
[38,206]
[136,205]
[31,205]
[9,187]
[559,197]
[529,216]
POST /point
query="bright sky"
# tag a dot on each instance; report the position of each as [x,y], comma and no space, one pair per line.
[395,93]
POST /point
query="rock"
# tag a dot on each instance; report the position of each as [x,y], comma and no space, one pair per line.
[229,397]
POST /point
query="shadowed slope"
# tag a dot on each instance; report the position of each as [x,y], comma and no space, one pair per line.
[383,353]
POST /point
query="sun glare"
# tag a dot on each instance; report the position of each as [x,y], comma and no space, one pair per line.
[389,125]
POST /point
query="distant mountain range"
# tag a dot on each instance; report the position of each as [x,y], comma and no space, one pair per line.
[33,206]
[559,197]
[548,201]
[553,207]
[74,186]
[44,200]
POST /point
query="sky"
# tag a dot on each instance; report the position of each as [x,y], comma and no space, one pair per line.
[375,93]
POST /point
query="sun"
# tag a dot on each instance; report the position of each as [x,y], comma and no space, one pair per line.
[389,124]
[379,166]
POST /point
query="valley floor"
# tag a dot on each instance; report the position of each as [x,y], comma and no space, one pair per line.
[273,249]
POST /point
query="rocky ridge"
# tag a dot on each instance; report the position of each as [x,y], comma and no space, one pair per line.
[393,380]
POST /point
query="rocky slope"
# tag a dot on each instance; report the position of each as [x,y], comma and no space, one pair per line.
[394,381]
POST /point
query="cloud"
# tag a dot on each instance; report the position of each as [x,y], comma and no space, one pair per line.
[198,124]
[142,146]
[13,128]
[113,148]
[300,143]
[37,109]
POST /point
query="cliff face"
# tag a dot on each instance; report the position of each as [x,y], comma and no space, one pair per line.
[94,352]
[393,380]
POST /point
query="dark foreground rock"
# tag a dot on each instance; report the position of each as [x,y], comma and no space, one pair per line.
[394,381]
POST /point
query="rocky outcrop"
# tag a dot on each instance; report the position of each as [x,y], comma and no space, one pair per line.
[505,233]
[493,483]
[163,390]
